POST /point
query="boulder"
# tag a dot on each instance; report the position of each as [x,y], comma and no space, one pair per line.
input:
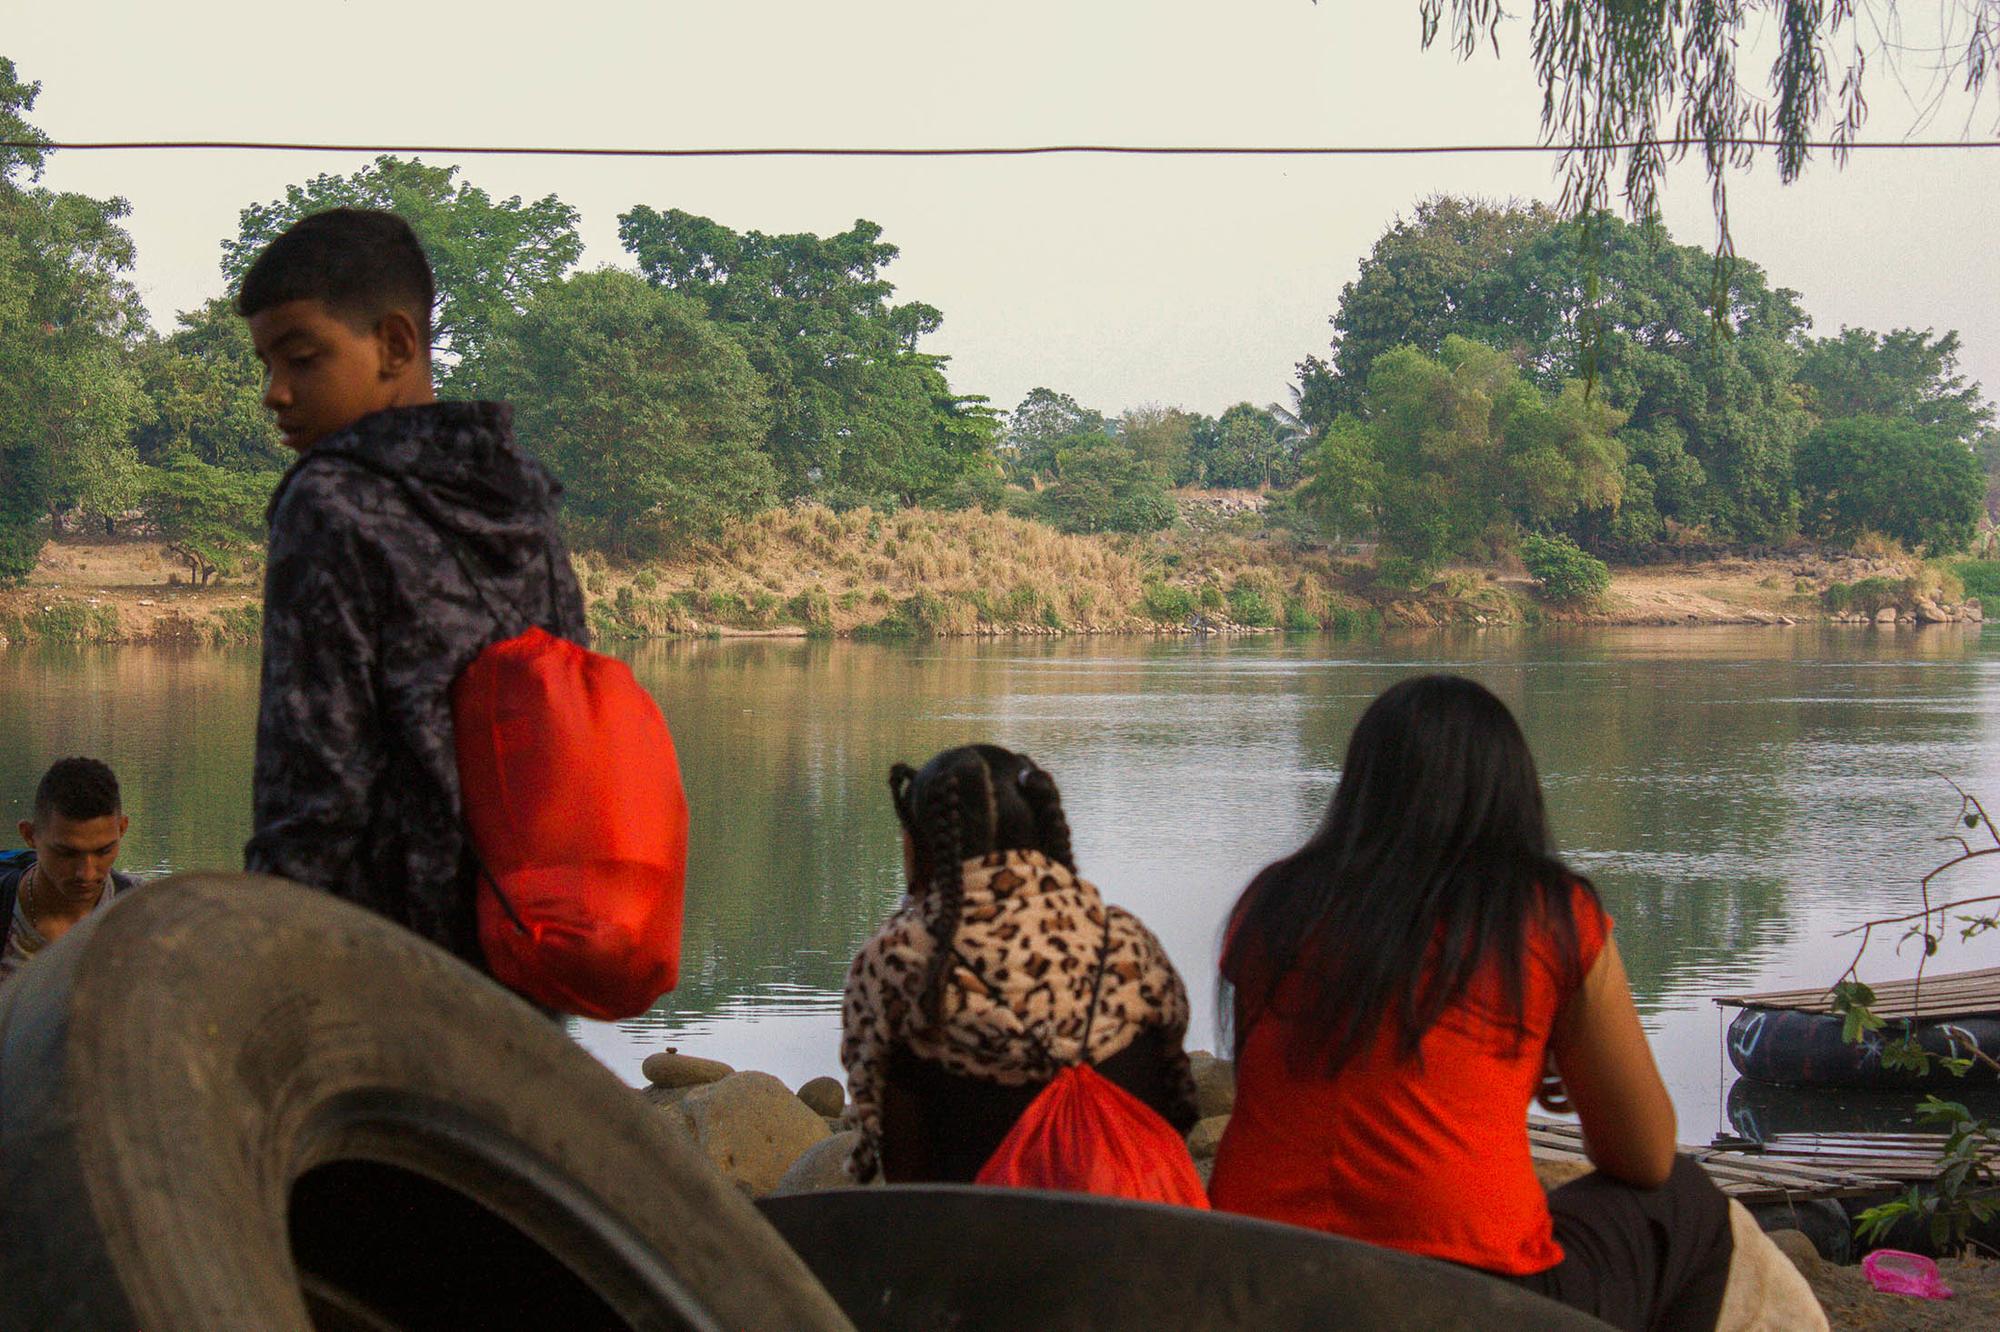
[826,1096]
[1206,1136]
[1798,1247]
[1973,611]
[752,1127]
[1887,615]
[1929,612]
[670,1068]
[823,1166]
[1214,1084]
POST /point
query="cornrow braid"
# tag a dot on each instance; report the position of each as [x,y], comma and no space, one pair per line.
[945,854]
[1038,789]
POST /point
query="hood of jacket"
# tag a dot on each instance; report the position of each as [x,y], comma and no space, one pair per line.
[460,467]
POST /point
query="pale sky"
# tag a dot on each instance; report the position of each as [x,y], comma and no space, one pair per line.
[1192,282]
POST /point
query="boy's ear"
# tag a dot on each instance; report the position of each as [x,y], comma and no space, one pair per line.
[399,342]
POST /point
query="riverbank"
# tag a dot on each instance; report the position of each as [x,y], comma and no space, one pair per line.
[1227,567]
[771,1140]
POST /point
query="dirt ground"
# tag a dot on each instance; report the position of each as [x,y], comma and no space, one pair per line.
[1852,1305]
[149,590]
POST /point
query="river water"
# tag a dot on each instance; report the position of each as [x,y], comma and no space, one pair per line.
[1739,795]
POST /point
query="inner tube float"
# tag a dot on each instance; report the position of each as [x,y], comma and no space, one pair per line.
[1795,1049]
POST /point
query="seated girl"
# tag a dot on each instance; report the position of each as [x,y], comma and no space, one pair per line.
[1001,968]
[1406,982]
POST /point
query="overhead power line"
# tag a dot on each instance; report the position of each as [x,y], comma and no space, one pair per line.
[1024,150]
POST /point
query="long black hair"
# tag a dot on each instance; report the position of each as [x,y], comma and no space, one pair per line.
[968,802]
[1434,860]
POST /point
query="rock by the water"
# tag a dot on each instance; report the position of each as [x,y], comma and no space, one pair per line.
[824,1166]
[752,1127]
[1887,615]
[826,1096]
[1206,1135]
[1214,1084]
[1929,612]
[670,1068]
[1795,1245]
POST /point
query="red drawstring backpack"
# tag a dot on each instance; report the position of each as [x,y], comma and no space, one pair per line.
[572,794]
[1083,1133]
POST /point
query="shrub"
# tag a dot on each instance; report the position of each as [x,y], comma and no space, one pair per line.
[1299,620]
[1566,573]
[646,581]
[1211,596]
[1980,577]
[1347,621]
[1165,603]
[812,608]
[1404,572]
[1867,596]
[1248,606]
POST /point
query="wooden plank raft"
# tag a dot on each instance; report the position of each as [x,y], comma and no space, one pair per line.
[1750,1178]
[1905,1158]
[1941,996]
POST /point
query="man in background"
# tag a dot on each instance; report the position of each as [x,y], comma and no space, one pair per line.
[66,874]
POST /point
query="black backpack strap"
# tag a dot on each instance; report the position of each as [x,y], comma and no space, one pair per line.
[1097,985]
[10,892]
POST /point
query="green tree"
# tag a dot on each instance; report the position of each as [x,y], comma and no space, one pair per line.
[1455,454]
[203,390]
[1247,446]
[211,516]
[858,414]
[648,412]
[67,319]
[1042,425]
[489,257]
[1880,474]
[1162,436]
[1905,373]
[1103,486]
[1638,321]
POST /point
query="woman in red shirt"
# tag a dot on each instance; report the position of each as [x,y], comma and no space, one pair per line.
[1406,982]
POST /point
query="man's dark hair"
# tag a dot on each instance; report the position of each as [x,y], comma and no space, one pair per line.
[360,263]
[77,789]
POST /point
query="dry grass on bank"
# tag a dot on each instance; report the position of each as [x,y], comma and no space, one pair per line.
[923,572]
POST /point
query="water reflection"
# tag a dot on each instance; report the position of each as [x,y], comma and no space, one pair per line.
[1738,794]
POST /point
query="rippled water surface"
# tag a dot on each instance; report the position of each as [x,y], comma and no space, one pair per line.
[1740,795]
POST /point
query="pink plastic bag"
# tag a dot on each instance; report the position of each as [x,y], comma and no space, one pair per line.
[1894,1272]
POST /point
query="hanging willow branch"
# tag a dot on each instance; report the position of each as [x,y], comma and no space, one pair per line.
[1616,73]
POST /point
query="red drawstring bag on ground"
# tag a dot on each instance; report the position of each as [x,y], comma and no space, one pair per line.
[572,794]
[1085,1134]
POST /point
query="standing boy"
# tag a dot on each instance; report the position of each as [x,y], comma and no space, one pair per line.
[409,535]
[74,835]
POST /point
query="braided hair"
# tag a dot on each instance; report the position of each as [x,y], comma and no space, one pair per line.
[968,802]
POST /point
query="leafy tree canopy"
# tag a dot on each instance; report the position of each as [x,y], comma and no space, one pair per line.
[211,516]
[1042,426]
[646,409]
[1638,321]
[1906,374]
[1104,486]
[203,391]
[1454,454]
[67,317]
[1884,474]
[858,414]
[489,256]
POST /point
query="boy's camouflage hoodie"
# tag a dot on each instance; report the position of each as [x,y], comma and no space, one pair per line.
[368,617]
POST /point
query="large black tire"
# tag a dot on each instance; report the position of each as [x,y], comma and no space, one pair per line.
[1795,1049]
[915,1258]
[232,1103]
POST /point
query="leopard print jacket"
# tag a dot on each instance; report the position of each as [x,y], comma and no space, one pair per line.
[1014,1010]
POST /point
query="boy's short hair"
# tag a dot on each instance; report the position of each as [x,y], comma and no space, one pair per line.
[360,263]
[77,789]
